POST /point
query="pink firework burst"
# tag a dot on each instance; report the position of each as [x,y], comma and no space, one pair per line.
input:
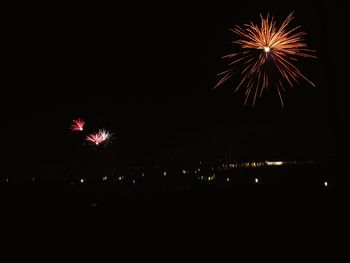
[101,137]
[77,125]
[94,138]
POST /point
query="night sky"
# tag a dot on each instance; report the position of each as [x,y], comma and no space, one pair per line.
[146,72]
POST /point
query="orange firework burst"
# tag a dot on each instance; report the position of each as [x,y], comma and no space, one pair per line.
[266,57]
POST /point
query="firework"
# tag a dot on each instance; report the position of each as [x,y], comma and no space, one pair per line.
[77,125]
[267,57]
[101,137]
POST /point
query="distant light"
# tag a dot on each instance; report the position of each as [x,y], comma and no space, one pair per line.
[210,178]
[199,169]
[81,180]
[33,179]
[227,179]
[143,174]
[274,163]
[325,184]
[184,171]
[120,178]
[133,181]
[164,173]
[7,180]
[266,49]
[256,180]
[104,178]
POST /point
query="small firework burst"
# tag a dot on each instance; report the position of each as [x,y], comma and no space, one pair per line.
[77,125]
[101,137]
[267,57]
[94,138]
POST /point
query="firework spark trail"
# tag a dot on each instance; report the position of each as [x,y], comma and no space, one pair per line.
[77,125]
[265,45]
[102,136]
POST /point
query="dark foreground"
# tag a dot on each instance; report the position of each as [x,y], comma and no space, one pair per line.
[300,189]
[235,205]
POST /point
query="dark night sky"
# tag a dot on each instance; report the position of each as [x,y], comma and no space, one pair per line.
[146,72]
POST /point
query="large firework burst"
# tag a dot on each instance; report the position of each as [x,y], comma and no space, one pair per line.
[267,57]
